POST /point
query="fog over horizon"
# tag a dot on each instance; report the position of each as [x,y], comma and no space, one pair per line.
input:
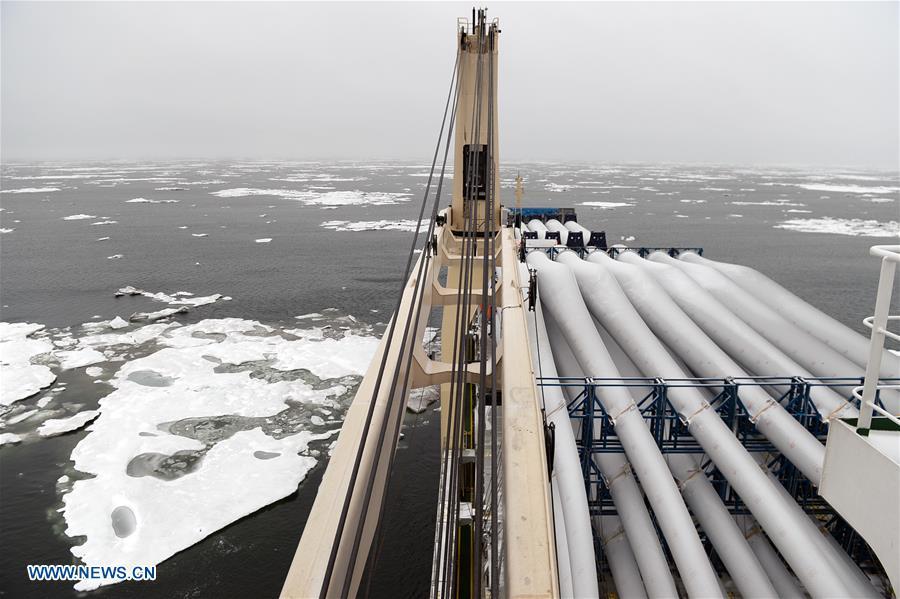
[813,84]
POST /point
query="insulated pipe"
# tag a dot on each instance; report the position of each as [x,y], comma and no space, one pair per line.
[857,583]
[835,334]
[560,294]
[567,479]
[555,225]
[807,349]
[783,519]
[730,544]
[741,341]
[574,226]
[538,227]
[563,565]
[786,585]
[624,490]
[620,558]
[705,503]
[706,359]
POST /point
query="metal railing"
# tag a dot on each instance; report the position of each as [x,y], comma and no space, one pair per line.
[868,391]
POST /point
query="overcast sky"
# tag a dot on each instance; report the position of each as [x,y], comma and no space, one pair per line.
[768,83]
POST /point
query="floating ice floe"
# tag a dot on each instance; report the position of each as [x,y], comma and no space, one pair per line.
[76,358]
[146,201]
[318,198]
[105,222]
[79,217]
[118,323]
[58,426]
[93,371]
[164,313]
[182,449]
[879,200]
[30,190]
[21,378]
[310,315]
[131,338]
[607,205]
[794,210]
[263,240]
[102,238]
[782,203]
[848,188]
[115,257]
[5,230]
[375,225]
[199,234]
[9,439]
[843,226]
[179,298]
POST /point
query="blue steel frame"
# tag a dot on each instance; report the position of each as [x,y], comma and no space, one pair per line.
[597,433]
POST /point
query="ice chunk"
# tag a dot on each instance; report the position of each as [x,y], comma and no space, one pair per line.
[9,439]
[199,234]
[118,323]
[79,217]
[607,205]
[93,371]
[77,358]
[146,201]
[164,313]
[105,222]
[30,190]
[58,426]
[264,240]
[114,257]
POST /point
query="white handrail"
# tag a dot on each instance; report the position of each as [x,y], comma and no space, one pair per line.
[869,322]
[890,257]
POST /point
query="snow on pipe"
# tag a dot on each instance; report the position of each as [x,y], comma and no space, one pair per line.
[560,294]
[705,359]
[741,341]
[620,557]
[786,585]
[802,346]
[835,334]
[567,479]
[705,503]
[781,518]
[623,488]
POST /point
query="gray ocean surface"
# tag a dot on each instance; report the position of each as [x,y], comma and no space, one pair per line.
[59,273]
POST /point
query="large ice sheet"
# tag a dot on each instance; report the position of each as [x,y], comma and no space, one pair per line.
[375,225]
[134,514]
[320,198]
[20,377]
[843,226]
